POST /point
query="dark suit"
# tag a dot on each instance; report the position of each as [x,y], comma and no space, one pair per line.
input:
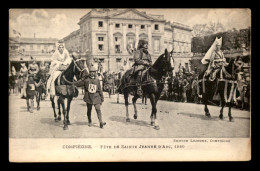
[90,98]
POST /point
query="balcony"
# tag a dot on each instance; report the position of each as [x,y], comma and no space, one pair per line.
[118,51]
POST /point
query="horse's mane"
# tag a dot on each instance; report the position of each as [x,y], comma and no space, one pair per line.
[158,61]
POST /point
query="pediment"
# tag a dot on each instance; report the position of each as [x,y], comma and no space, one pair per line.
[132,15]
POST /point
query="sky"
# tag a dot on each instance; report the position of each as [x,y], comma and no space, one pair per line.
[58,23]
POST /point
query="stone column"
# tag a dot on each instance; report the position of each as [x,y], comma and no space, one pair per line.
[94,43]
[162,44]
[149,38]
[124,37]
[110,38]
[136,35]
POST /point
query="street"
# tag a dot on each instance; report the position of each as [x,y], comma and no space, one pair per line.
[176,120]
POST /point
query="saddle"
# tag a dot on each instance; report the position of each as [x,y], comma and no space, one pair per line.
[65,89]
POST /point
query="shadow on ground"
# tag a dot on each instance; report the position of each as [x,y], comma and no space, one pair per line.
[203,117]
[132,121]
[80,123]
[51,121]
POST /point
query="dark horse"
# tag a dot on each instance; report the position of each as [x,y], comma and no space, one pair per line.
[65,89]
[224,87]
[152,85]
[40,76]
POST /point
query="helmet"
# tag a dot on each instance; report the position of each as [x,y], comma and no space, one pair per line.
[141,44]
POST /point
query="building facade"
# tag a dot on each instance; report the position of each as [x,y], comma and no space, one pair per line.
[105,36]
[72,41]
[22,49]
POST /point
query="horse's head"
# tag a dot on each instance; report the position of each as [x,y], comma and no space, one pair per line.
[167,62]
[80,69]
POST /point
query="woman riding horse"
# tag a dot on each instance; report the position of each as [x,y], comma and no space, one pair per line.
[64,87]
[60,59]
[219,79]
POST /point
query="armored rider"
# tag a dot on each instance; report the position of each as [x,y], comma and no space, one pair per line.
[142,60]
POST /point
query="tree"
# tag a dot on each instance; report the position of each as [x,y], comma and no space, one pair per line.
[213,28]
[199,30]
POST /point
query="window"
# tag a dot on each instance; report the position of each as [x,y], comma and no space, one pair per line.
[118,60]
[102,60]
[117,40]
[130,26]
[117,47]
[100,47]
[117,25]
[101,39]
[130,40]
[156,27]
[142,26]
[100,24]
[156,45]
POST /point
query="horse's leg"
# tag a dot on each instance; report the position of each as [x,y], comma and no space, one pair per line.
[231,119]
[59,117]
[117,97]
[126,105]
[53,106]
[205,101]
[68,109]
[134,103]
[65,127]
[154,100]
[223,103]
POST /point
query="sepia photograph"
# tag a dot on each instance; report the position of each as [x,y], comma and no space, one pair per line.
[129,84]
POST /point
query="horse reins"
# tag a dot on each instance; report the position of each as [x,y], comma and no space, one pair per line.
[80,70]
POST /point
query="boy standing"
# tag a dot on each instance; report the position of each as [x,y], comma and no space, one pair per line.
[30,92]
[93,95]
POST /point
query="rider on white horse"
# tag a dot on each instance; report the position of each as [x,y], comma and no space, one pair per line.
[60,57]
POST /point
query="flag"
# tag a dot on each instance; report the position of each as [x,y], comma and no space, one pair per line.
[16,33]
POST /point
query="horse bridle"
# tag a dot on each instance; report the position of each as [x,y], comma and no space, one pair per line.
[78,68]
[76,65]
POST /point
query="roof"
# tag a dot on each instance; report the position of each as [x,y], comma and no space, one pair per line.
[110,13]
[181,26]
[74,33]
[38,40]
